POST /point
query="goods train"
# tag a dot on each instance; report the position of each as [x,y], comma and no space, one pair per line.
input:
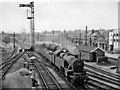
[68,64]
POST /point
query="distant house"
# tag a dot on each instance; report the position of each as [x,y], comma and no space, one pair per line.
[114,39]
[89,53]
[96,35]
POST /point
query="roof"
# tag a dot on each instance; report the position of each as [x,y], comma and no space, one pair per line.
[89,33]
[94,34]
[89,48]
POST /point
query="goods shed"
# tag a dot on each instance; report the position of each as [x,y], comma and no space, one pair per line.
[90,53]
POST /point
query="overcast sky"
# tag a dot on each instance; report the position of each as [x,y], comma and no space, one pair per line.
[60,15]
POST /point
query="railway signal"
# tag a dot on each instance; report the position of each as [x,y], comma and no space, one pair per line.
[26,5]
[31,5]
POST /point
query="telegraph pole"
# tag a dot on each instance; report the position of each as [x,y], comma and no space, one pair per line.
[58,38]
[86,37]
[53,36]
[112,46]
[80,39]
[38,36]
[118,69]
[31,6]
[14,40]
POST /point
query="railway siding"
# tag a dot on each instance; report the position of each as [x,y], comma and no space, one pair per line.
[47,79]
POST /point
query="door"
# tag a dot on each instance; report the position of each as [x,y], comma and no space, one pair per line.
[94,56]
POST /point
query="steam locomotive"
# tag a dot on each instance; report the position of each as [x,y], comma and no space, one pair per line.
[68,64]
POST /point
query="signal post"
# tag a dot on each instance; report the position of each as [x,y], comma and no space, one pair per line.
[31,6]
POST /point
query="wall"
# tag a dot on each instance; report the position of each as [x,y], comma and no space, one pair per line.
[115,39]
[100,52]
[85,56]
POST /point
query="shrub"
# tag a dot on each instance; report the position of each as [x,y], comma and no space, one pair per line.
[6,40]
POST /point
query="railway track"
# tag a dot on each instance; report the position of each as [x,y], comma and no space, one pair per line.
[48,76]
[13,55]
[103,71]
[15,51]
[101,79]
[5,63]
[9,64]
[48,80]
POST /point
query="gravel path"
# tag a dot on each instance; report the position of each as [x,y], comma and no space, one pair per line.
[16,80]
